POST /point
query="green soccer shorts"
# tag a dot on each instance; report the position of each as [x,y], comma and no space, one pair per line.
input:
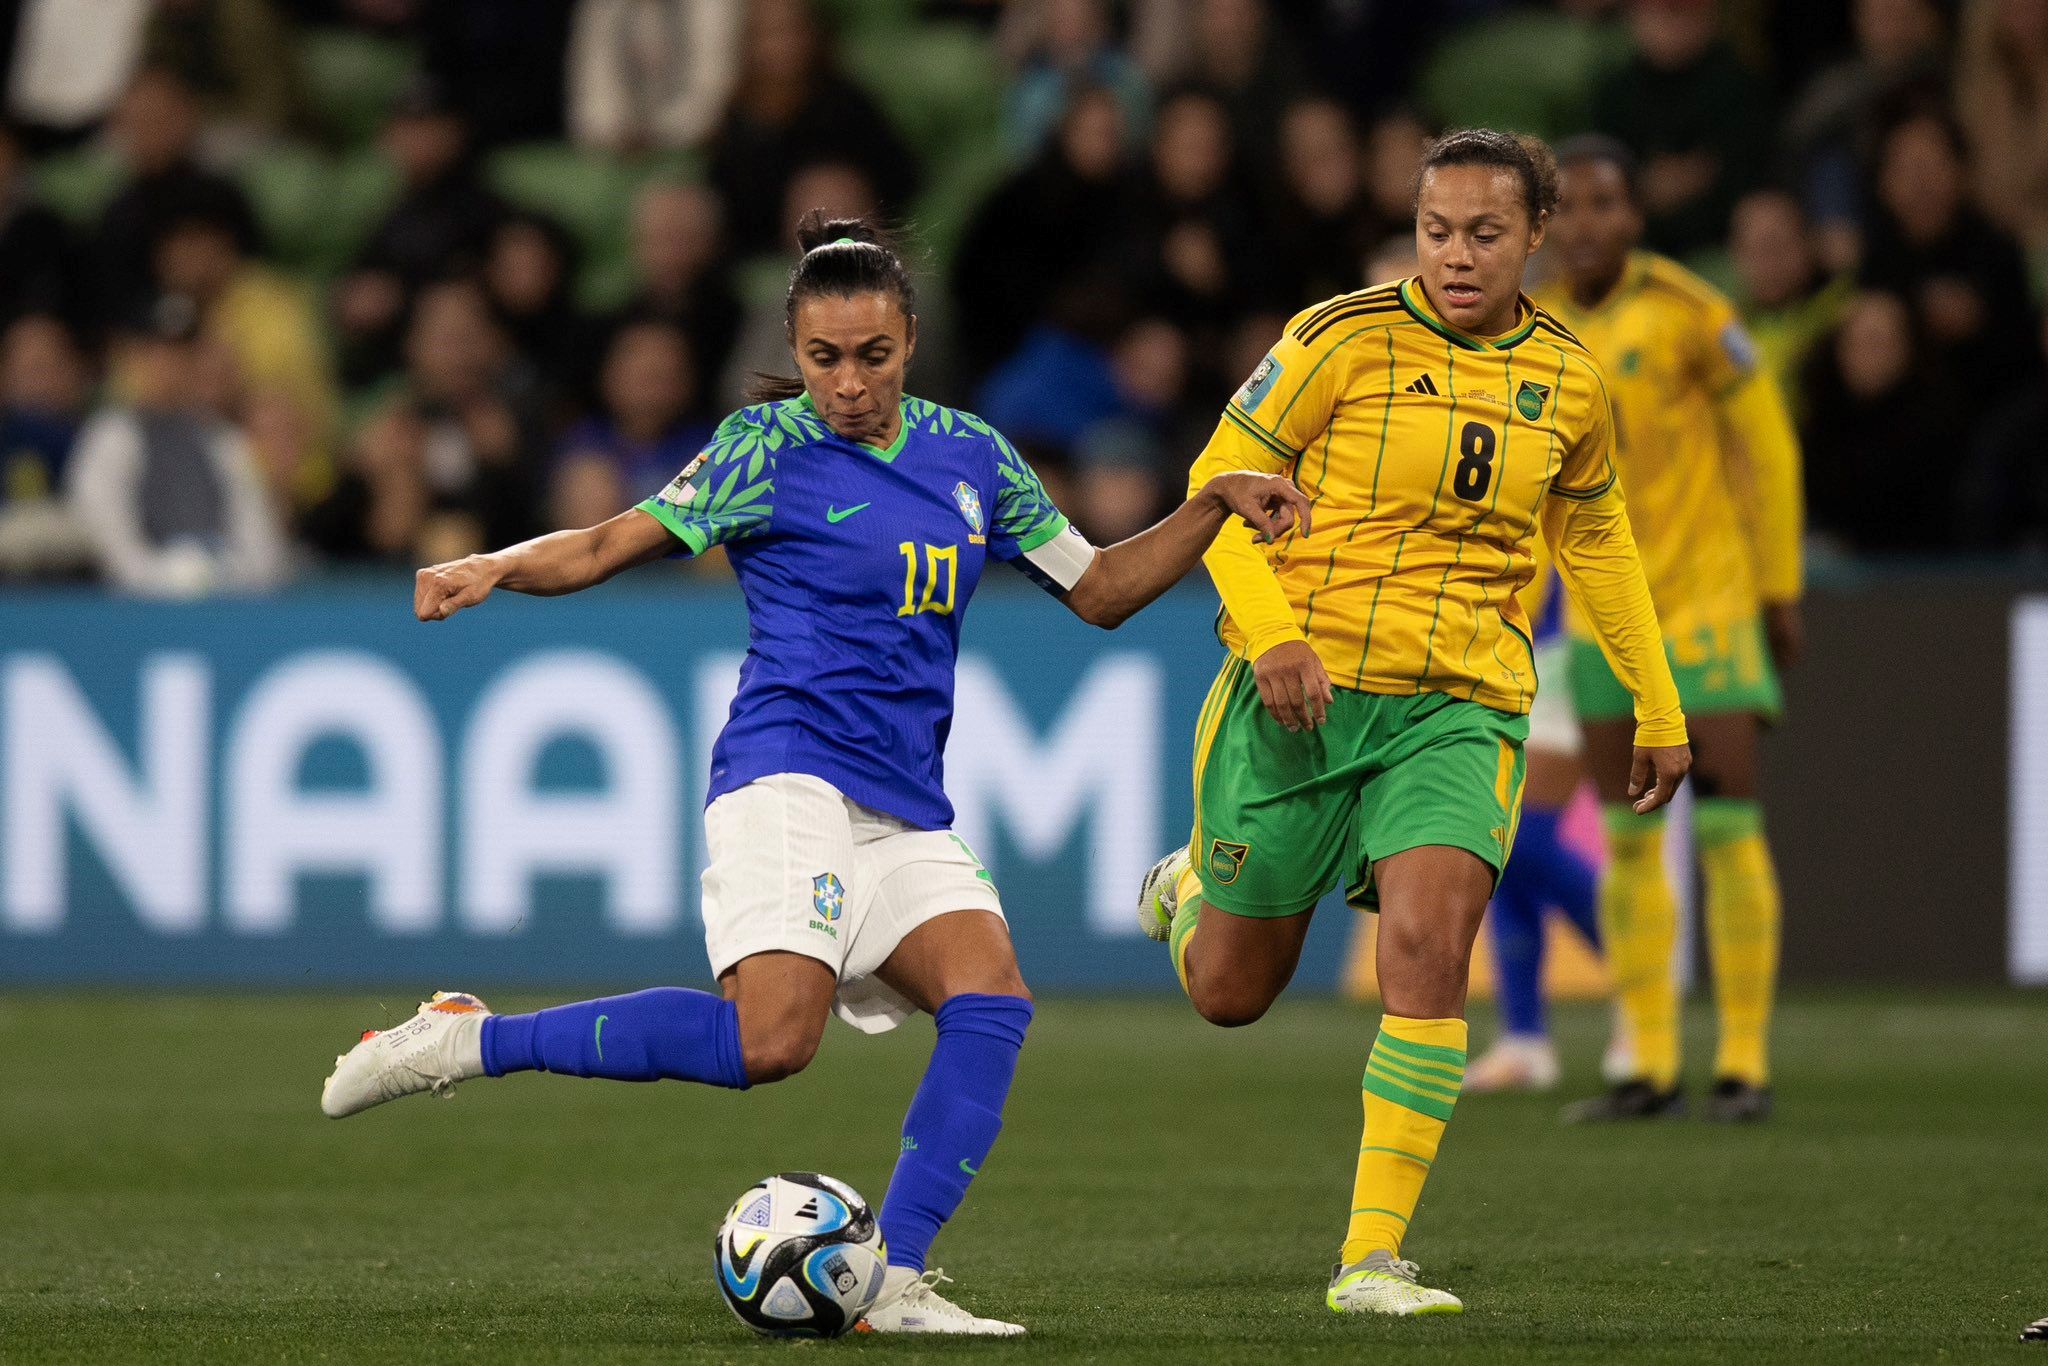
[1719,669]
[1281,817]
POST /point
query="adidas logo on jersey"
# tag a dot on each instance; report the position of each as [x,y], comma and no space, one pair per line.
[1424,385]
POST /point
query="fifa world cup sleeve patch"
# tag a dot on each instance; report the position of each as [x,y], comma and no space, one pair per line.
[1258,385]
[1737,346]
[680,490]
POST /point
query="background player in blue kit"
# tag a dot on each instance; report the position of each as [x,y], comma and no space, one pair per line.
[858,520]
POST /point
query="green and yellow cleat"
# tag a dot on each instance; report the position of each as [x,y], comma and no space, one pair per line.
[1159,898]
[1383,1284]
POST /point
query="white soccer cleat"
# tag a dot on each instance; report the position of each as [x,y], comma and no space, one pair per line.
[1514,1063]
[440,1045]
[911,1303]
[1159,898]
[1381,1284]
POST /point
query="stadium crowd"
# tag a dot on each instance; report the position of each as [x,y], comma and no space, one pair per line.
[286,284]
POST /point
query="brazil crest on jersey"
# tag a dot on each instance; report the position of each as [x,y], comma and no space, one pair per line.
[857,564]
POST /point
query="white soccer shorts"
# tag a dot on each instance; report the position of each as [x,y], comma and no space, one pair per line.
[797,867]
[1553,723]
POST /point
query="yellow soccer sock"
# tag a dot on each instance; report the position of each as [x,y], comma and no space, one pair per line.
[1639,933]
[1742,914]
[1186,916]
[1411,1083]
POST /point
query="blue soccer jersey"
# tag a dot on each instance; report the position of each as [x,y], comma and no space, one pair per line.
[857,564]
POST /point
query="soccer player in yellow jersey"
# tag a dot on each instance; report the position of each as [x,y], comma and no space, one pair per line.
[1711,468]
[1366,729]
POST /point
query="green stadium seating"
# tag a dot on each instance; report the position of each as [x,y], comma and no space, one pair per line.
[353,79]
[591,194]
[1529,72]
[78,184]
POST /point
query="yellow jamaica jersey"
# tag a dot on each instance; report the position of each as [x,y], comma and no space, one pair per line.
[1432,458]
[1704,445]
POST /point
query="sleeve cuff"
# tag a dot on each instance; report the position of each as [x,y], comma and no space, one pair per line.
[1258,642]
[1659,734]
[1027,544]
[665,513]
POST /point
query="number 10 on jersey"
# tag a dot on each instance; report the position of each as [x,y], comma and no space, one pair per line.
[934,557]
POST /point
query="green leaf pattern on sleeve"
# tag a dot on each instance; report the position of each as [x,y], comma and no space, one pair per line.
[1024,514]
[734,496]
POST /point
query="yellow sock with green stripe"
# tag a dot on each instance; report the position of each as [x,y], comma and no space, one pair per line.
[1411,1083]
[1639,933]
[1742,914]
[1186,915]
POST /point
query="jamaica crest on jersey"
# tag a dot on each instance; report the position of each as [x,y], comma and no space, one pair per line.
[969,503]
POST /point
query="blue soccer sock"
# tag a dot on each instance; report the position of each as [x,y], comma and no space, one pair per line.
[668,1032]
[1542,872]
[953,1119]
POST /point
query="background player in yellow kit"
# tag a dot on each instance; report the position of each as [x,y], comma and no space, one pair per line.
[1366,729]
[1711,467]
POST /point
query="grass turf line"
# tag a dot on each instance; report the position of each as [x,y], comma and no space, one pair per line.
[1164,1192]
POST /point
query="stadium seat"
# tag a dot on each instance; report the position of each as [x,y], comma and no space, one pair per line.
[591,195]
[78,183]
[353,79]
[1533,72]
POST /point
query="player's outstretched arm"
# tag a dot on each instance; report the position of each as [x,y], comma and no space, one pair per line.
[546,566]
[1127,576]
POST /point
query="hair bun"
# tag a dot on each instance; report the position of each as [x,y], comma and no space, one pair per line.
[815,230]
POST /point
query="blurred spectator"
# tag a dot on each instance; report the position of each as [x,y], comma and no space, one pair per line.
[1239,49]
[646,431]
[40,273]
[166,488]
[1832,129]
[1787,303]
[1057,386]
[1531,68]
[1190,245]
[1964,279]
[1043,231]
[1693,114]
[155,130]
[440,225]
[791,108]
[1133,464]
[2004,502]
[449,466]
[2002,89]
[1393,258]
[1393,155]
[1879,417]
[1058,49]
[646,74]
[681,276]
[842,191]
[269,329]
[44,386]
[239,60]
[501,63]
[71,61]
[1324,225]
[529,273]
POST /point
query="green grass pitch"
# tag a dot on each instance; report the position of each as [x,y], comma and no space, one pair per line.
[1164,1192]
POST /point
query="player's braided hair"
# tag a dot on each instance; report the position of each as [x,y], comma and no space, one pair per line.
[1530,158]
[841,257]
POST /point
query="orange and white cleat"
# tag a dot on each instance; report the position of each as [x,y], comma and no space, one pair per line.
[439,1046]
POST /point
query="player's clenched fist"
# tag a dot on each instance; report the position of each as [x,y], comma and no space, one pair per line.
[441,590]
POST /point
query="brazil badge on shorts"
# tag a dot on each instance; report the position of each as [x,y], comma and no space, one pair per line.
[828,901]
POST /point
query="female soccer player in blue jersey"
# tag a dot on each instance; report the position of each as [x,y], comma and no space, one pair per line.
[858,520]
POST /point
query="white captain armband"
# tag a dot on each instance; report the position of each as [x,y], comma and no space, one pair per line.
[1058,564]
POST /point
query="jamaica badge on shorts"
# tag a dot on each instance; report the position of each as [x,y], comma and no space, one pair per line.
[1530,398]
[828,896]
[1226,860]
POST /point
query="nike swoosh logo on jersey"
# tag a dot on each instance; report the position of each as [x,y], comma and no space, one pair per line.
[599,1036]
[971,1171]
[835,515]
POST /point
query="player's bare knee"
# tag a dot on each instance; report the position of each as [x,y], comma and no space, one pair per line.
[1230,1005]
[777,1055]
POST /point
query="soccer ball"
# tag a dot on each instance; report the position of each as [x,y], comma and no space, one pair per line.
[799,1255]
